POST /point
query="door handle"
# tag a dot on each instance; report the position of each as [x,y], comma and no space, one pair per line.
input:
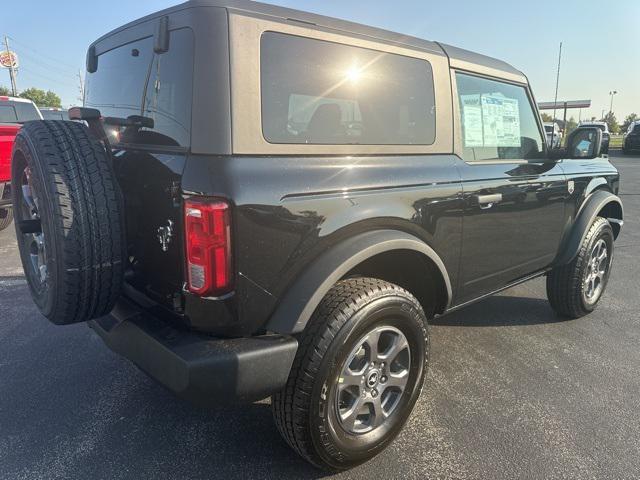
[487,201]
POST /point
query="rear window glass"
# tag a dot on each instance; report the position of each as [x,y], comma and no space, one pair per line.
[132,80]
[320,92]
[548,128]
[18,112]
[27,111]
[8,114]
[54,114]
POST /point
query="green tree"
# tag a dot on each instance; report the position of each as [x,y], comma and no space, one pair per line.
[632,117]
[4,91]
[41,98]
[570,126]
[546,117]
[610,119]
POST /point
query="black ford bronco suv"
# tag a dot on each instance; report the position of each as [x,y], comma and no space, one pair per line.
[264,202]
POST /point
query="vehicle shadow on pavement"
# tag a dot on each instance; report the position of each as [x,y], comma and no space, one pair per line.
[71,408]
[501,311]
[189,442]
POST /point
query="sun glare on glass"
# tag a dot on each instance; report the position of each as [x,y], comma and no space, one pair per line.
[353,74]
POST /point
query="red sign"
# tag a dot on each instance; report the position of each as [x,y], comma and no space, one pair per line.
[8,59]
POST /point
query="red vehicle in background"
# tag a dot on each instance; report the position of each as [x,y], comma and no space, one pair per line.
[13,113]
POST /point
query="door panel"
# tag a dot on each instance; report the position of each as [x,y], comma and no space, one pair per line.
[514,198]
[513,222]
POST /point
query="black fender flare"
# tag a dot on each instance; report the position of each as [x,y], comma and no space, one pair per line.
[302,298]
[591,207]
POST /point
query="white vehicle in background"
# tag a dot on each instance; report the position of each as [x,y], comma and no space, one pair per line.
[606,136]
[554,135]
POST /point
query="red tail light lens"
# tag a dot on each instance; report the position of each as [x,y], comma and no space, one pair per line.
[208,246]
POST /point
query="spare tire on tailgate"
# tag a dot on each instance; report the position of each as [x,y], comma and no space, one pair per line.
[69,220]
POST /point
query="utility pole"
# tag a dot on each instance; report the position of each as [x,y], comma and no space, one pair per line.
[81,86]
[555,100]
[12,71]
[612,93]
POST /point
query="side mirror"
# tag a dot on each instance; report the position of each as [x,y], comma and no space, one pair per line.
[584,143]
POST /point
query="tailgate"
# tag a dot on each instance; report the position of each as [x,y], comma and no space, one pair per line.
[150,184]
[8,134]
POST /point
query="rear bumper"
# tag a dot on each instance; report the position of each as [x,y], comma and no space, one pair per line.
[205,370]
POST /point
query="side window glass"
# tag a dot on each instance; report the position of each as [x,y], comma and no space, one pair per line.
[319,92]
[497,121]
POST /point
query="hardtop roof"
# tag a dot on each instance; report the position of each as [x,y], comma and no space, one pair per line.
[458,57]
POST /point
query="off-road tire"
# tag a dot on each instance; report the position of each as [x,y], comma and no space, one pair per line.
[6,217]
[82,219]
[302,410]
[565,282]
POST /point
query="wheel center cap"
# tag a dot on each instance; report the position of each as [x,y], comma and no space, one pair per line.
[373,378]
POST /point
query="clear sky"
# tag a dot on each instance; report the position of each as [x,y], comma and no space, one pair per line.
[601,49]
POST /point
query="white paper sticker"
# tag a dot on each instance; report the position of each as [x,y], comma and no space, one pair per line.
[490,120]
[501,121]
[472,120]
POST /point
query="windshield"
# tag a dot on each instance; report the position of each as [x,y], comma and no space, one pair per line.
[18,112]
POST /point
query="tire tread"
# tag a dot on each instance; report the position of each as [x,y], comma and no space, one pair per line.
[88,222]
[564,282]
[291,405]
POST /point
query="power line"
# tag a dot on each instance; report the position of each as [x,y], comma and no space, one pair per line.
[39,63]
[58,81]
[37,52]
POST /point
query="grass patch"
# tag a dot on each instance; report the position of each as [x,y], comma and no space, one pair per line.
[615,141]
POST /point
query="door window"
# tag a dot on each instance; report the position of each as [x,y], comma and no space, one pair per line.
[497,121]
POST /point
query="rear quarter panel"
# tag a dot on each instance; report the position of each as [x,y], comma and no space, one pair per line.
[289,210]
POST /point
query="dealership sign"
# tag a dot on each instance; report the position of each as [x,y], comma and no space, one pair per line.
[8,59]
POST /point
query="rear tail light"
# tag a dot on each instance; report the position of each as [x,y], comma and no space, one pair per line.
[208,246]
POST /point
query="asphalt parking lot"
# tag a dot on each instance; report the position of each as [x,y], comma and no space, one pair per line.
[513,392]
